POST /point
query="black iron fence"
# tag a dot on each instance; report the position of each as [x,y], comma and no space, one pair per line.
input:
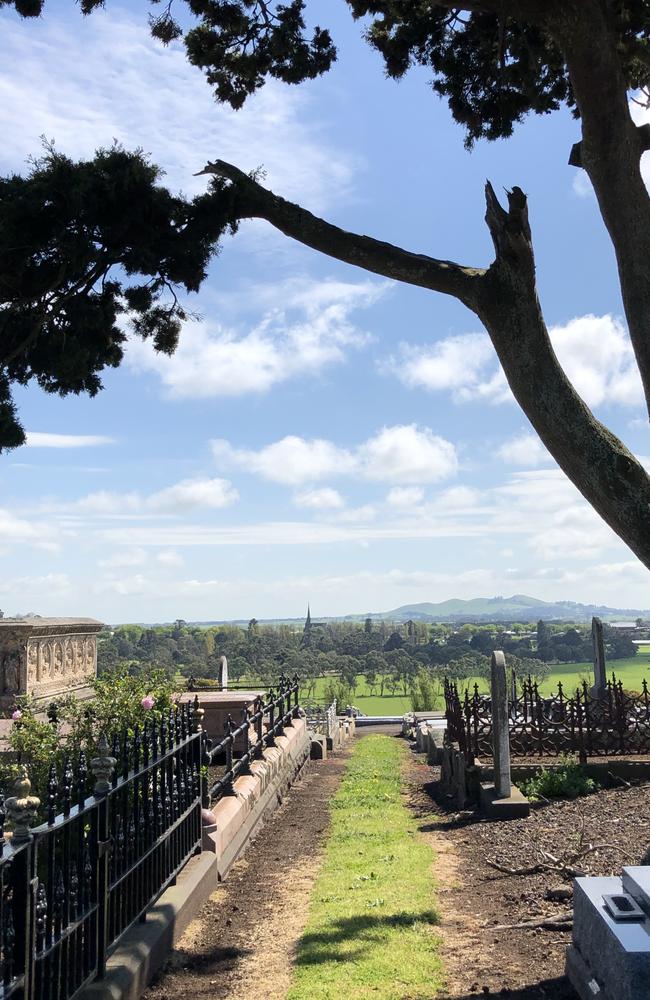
[118,831]
[257,730]
[616,723]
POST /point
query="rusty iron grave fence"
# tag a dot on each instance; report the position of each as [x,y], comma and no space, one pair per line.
[117,833]
[615,724]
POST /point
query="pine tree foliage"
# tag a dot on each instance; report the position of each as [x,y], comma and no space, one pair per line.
[88,252]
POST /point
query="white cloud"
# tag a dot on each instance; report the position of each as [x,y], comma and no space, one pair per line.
[292,461]
[525,449]
[407,454]
[400,454]
[170,558]
[193,493]
[405,496]
[311,330]
[322,499]
[41,439]
[595,352]
[18,531]
[114,81]
[453,363]
[186,495]
[457,499]
[124,558]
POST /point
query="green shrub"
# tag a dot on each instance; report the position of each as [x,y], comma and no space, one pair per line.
[425,691]
[337,690]
[567,780]
[116,706]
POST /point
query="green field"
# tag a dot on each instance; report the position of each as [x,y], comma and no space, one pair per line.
[367,703]
[630,671]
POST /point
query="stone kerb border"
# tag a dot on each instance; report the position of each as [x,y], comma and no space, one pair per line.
[146,947]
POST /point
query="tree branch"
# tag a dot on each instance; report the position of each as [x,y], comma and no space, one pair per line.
[594,459]
[505,298]
[256,202]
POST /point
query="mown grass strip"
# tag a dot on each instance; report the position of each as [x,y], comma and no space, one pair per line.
[371,929]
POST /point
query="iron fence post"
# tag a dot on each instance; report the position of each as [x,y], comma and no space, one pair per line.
[245,761]
[270,735]
[102,769]
[229,787]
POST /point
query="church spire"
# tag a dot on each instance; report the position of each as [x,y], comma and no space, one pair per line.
[306,632]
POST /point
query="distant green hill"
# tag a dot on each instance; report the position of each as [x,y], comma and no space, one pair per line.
[519,607]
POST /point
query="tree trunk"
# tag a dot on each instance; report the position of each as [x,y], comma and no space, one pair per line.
[593,458]
[610,152]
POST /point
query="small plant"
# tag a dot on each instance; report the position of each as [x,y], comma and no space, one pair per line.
[565,781]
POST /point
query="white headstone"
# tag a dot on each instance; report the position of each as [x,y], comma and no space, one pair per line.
[224,673]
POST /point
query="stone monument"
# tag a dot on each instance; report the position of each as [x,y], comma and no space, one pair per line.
[500,799]
[600,675]
[47,657]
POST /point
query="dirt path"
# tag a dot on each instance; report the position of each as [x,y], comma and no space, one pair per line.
[474,899]
[241,944]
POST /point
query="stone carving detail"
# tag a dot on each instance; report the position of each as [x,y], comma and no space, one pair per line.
[11,672]
[45,657]
[32,664]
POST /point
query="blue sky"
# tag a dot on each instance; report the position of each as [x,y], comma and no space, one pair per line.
[321,434]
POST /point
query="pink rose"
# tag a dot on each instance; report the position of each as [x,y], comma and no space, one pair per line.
[148,702]
[17,715]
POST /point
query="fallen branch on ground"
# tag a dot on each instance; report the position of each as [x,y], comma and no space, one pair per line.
[562,922]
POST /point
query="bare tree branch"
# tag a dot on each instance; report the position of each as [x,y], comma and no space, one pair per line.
[362,251]
[505,298]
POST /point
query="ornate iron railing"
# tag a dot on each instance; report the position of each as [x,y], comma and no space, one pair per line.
[71,887]
[615,724]
[267,720]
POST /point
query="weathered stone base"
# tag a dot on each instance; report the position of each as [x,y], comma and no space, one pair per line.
[515,806]
[238,816]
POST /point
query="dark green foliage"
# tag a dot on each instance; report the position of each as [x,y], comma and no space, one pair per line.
[239,44]
[87,250]
[567,781]
[492,70]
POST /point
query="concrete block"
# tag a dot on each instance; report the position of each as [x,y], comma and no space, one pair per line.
[514,806]
[608,959]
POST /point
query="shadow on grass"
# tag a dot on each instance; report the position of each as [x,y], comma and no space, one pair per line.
[318,947]
[549,989]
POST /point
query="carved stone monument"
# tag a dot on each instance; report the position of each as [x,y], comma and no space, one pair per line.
[46,657]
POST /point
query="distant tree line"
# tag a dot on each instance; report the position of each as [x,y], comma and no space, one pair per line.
[391,657]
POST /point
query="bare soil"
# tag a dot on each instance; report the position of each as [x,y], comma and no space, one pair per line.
[474,898]
[243,941]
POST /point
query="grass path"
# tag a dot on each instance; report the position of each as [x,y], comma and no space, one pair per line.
[371,927]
